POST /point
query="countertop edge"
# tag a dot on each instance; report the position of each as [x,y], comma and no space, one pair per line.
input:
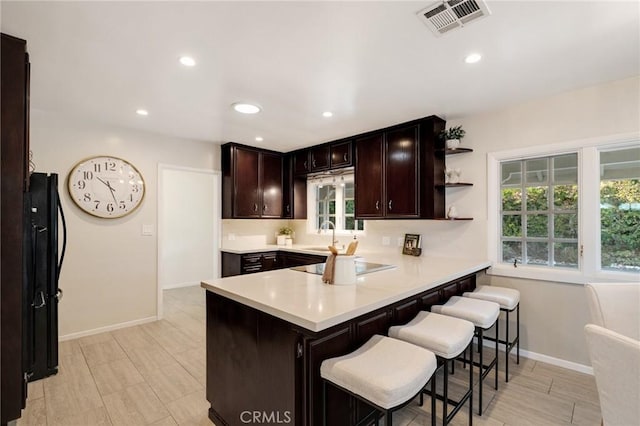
[356,312]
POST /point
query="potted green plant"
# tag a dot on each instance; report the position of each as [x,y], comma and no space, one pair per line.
[453,136]
[284,233]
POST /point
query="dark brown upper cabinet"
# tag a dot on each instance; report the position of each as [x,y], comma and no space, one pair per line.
[341,154]
[398,172]
[300,161]
[294,195]
[252,184]
[320,158]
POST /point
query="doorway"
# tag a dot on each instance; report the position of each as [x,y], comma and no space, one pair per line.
[188,227]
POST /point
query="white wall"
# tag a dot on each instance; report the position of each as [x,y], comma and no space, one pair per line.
[109,275]
[188,226]
[553,314]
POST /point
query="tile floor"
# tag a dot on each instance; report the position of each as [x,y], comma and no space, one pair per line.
[154,374]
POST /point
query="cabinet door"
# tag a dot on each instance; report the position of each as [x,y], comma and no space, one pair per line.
[246,189]
[301,162]
[369,177]
[401,172]
[320,158]
[341,155]
[271,185]
[287,187]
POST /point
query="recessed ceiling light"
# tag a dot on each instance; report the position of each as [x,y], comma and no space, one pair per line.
[142,112]
[246,108]
[473,58]
[187,61]
[259,139]
[327,114]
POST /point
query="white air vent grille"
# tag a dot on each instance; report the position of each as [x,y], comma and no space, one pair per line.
[448,15]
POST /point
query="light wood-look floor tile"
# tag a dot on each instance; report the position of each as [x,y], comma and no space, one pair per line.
[151,358]
[103,352]
[133,338]
[94,417]
[169,337]
[195,362]
[35,413]
[116,375]
[586,414]
[167,421]
[135,405]
[36,389]
[189,407]
[93,339]
[172,382]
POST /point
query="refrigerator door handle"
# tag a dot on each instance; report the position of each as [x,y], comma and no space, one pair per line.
[42,301]
[64,236]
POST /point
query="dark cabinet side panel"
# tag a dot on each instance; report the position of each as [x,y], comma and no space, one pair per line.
[15,146]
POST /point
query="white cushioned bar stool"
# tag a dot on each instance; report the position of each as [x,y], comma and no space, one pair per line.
[509,301]
[483,315]
[385,373]
[447,337]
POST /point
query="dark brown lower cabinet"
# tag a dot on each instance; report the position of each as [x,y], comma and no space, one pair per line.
[249,263]
[259,365]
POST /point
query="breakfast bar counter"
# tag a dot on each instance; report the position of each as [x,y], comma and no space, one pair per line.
[268,333]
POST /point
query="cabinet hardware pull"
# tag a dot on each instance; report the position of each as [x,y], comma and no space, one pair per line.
[305,164]
[299,350]
[288,208]
[344,156]
[255,207]
[377,205]
[390,201]
[264,208]
[313,163]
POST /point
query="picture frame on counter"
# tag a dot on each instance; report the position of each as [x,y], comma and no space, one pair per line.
[411,245]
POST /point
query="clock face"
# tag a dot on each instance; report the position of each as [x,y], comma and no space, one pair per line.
[106,187]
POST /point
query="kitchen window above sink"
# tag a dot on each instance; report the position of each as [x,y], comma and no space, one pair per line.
[331,198]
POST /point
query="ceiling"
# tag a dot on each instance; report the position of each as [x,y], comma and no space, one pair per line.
[372,64]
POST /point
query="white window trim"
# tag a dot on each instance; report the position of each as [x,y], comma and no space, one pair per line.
[588,224]
[312,213]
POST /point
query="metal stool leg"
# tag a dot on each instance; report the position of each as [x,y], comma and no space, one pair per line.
[507,349]
[497,343]
[518,334]
[481,366]
[445,393]
[324,403]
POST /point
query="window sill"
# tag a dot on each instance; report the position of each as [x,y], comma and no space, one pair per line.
[559,275]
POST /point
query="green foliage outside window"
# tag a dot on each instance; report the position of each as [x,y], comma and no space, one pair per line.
[620,224]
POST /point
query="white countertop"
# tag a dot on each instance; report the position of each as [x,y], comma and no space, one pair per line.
[243,248]
[302,299]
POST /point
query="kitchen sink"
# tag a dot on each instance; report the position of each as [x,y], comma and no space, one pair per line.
[361,268]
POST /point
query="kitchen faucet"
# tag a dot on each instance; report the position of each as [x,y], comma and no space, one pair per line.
[333,226]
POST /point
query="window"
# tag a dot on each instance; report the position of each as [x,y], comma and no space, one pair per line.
[568,213]
[620,210]
[332,199]
[539,209]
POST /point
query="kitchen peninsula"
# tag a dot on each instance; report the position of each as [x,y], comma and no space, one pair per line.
[268,333]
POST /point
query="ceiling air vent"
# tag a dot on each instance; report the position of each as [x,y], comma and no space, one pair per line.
[445,16]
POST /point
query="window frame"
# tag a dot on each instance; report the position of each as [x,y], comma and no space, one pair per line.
[312,202]
[588,152]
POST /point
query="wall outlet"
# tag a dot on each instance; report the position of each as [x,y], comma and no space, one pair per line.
[386,241]
[400,241]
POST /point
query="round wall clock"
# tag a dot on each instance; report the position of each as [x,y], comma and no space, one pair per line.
[106,187]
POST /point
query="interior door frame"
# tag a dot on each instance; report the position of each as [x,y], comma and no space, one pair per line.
[217,184]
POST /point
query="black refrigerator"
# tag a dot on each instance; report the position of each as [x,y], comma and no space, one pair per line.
[43,255]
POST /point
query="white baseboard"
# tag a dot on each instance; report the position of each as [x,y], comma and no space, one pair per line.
[570,365]
[180,285]
[106,328]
